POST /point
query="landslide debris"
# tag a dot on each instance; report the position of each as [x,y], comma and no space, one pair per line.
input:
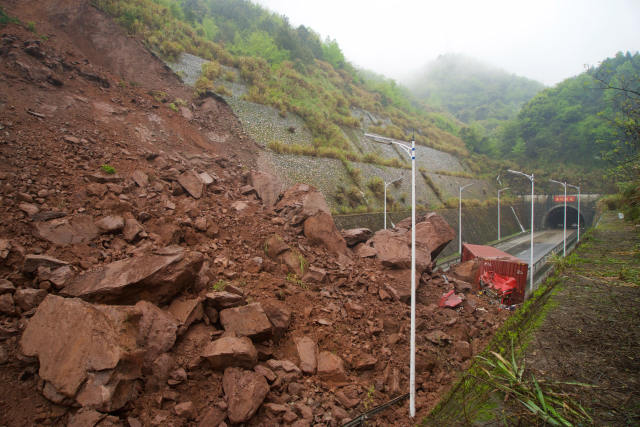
[186,288]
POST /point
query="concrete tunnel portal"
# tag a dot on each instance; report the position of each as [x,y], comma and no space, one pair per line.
[555,216]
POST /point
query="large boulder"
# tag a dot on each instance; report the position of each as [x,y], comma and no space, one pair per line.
[356,235]
[267,186]
[433,233]
[321,230]
[156,277]
[248,320]
[300,202]
[231,351]
[391,249]
[245,391]
[303,204]
[87,353]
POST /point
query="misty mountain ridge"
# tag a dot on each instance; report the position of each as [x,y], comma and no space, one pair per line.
[472,90]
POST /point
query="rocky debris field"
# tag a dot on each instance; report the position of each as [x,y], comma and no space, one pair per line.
[150,277]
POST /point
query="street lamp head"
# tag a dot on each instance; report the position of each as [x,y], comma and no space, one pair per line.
[465,186]
[521,173]
[558,182]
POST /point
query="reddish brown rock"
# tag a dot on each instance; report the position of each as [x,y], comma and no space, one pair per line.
[32,262]
[293,262]
[110,224]
[364,250]
[221,300]
[400,284]
[268,187]
[274,246]
[467,271]
[192,183]
[249,320]
[27,299]
[132,229]
[434,233]
[157,331]
[231,351]
[244,391]
[140,178]
[60,276]
[67,231]
[212,417]
[308,354]
[185,410]
[331,367]
[391,249]
[321,230]
[300,202]
[6,287]
[279,316]
[314,274]
[100,353]
[356,235]
[7,304]
[364,362]
[186,311]
[156,278]
[29,208]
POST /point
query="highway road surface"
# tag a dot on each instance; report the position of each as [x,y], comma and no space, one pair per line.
[543,242]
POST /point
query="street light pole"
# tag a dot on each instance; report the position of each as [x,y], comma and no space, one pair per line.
[411,151]
[386,184]
[460,217]
[577,188]
[531,178]
[564,224]
[500,191]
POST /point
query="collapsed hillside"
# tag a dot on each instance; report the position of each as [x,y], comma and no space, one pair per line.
[147,271]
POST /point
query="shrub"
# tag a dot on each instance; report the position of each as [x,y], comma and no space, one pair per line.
[211,70]
[108,169]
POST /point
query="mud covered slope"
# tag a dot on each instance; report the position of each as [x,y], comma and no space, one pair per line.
[91,41]
[146,273]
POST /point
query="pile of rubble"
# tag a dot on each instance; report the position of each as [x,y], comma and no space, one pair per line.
[185,289]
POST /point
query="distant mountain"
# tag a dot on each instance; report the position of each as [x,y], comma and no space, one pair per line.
[472,90]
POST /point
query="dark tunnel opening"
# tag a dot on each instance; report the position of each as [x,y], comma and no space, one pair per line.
[554,218]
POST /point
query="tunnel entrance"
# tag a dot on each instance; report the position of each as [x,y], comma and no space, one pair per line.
[555,218]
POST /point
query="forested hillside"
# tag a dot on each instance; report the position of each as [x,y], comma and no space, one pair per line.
[579,121]
[291,69]
[473,91]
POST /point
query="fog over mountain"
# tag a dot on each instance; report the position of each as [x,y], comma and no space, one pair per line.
[547,40]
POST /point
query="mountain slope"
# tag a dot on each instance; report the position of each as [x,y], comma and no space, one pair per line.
[471,90]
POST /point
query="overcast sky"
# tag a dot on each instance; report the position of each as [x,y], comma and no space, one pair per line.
[545,40]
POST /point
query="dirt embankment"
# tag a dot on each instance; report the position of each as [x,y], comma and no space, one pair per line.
[166,260]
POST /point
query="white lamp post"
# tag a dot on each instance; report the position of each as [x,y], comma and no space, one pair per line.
[577,188]
[531,178]
[564,223]
[460,217]
[411,151]
[500,191]
[386,184]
